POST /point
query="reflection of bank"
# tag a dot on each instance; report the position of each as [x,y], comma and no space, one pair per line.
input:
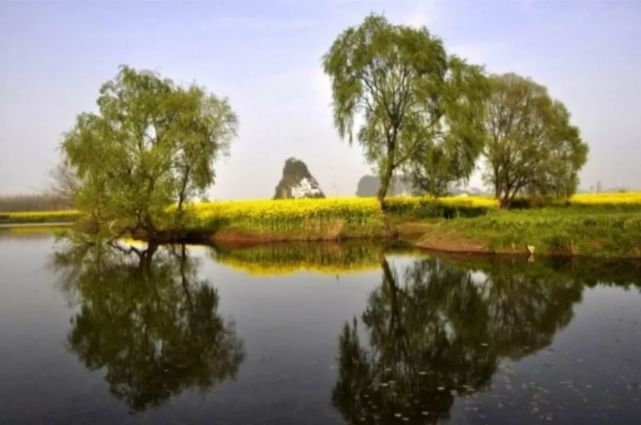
[148,320]
[288,258]
[437,329]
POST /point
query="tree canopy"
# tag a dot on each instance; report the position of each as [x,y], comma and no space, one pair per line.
[408,97]
[531,146]
[151,145]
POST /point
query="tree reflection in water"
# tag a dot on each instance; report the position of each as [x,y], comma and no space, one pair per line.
[437,330]
[147,319]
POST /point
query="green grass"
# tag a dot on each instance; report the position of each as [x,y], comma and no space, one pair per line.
[613,231]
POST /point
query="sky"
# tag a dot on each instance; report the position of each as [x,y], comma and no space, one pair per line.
[265,57]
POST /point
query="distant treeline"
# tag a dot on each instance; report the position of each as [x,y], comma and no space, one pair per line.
[34,203]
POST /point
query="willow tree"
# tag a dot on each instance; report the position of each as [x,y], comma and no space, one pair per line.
[531,146]
[151,146]
[406,94]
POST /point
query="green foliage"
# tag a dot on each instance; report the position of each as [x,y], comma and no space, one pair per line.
[531,145]
[410,96]
[151,144]
[427,207]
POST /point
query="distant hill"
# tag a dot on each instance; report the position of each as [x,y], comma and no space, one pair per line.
[368,185]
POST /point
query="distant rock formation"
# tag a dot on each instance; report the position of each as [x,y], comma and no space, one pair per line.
[369,185]
[297,182]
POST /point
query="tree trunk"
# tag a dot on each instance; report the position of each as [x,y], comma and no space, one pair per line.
[385,181]
[147,257]
[182,195]
[149,227]
[505,202]
[497,182]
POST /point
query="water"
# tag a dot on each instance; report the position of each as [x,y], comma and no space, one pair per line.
[311,334]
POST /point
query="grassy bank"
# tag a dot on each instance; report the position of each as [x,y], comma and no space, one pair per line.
[603,225]
[583,229]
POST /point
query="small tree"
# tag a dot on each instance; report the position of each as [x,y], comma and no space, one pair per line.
[531,145]
[433,171]
[63,182]
[151,145]
[406,92]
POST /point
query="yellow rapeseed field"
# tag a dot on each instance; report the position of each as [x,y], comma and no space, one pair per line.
[284,214]
[623,198]
[301,213]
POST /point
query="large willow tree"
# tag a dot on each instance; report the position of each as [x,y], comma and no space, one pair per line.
[408,98]
[150,146]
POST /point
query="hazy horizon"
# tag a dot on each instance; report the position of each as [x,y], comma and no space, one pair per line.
[266,58]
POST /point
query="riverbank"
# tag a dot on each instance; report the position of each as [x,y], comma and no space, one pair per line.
[553,231]
[604,225]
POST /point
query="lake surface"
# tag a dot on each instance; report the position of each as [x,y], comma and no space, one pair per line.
[311,334]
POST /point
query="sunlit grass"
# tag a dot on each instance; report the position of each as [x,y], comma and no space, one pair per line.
[603,229]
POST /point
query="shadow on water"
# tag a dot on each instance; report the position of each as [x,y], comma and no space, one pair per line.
[437,330]
[146,318]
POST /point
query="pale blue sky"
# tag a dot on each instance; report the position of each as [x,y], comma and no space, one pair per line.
[265,56]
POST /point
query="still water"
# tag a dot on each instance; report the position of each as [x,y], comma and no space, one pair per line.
[311,334]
